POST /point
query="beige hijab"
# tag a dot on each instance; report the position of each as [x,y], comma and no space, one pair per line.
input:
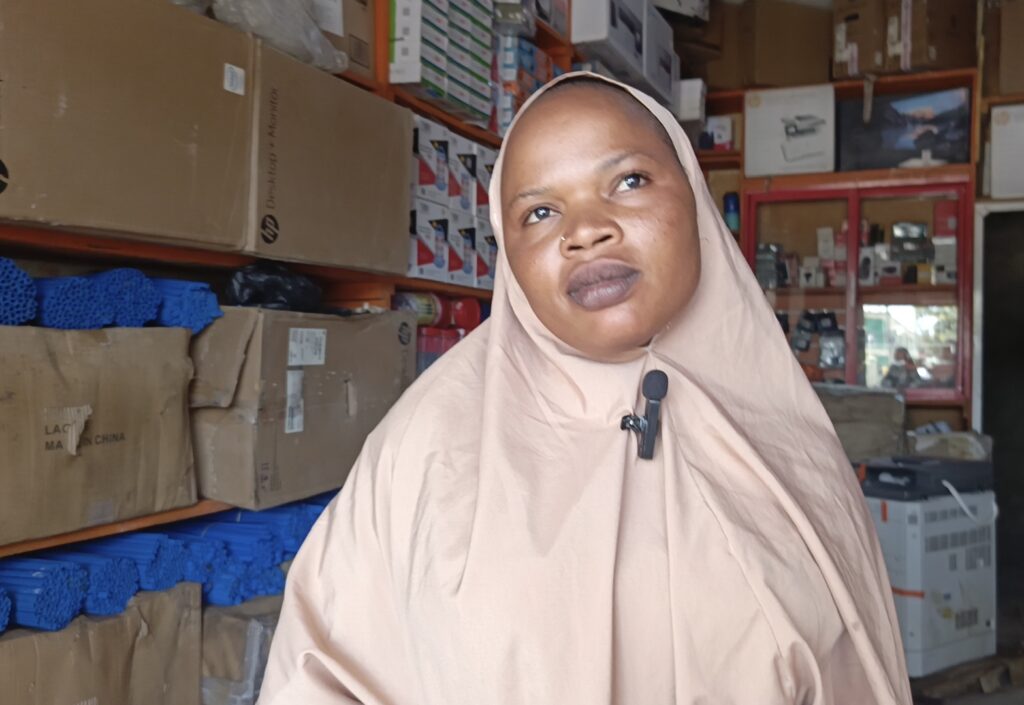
[499,541]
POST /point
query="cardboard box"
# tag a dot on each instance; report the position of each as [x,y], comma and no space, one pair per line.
[790,131]
[785,43]
[103,416]
[430,145]
[1011,49]
[688,100]
[258,152]
[150,653]
[236,644]
[930,34]
[720,129]
[859,40]
[945,251]
[88,109]
[725,71]
[311,387]
[217,357]
[461,175]
[316,140]
[1007,151]
[349,26]
[906,131]
[611,31]
[428,241]
[870,423]
[486,247]
[694,9]
[485,158]
[461,254]
[826,243]
[658,53]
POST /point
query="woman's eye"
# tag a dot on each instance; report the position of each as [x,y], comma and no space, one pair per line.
[538,214]
[631,181]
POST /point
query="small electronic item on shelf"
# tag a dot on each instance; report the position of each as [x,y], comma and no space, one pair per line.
[910,243]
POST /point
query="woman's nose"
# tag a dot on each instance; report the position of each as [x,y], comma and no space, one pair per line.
[590,232]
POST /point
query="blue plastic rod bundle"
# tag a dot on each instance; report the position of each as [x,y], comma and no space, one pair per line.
[159,559]
[17,294]
[225,586]
[186,304]
[71,303]
[290,523]
[203,556]
[113,580]
[258,582]
[248,543]
[5,610]
[44,594]
[133,298]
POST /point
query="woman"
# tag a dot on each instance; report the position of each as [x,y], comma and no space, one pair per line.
[500,541]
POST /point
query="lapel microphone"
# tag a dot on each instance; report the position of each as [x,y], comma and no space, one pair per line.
[646,427]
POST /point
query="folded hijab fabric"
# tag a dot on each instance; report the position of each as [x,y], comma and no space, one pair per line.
[499,541]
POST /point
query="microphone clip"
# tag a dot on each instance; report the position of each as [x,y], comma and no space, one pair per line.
[646,427]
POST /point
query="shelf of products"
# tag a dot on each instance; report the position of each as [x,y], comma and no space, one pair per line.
[427,109]
[876,178]
[202,508]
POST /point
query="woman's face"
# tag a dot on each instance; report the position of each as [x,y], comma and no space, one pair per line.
[599,220]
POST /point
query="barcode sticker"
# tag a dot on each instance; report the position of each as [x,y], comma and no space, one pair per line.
[307,346]
[234,79]
[294,416]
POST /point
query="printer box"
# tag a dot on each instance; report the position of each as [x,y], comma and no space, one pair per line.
[611,31]
[790,131]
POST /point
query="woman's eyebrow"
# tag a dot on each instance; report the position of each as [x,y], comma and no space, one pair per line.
[531,193]
[604,165]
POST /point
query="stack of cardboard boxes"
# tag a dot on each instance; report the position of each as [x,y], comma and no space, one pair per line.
[1004,55]
[450,238]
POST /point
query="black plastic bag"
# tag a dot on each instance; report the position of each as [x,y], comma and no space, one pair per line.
[272,285]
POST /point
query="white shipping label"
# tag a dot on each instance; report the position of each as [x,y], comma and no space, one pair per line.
[328,17]
[307,346]
[294,416]
[234,79]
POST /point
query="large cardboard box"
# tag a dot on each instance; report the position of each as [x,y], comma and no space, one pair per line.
[790,131]
[236,644]
[150,653]
[349,26]
[860,37]
[309,390]
[125,117]
[930,34]
[785,43]
[870,423]
[93,426]
[1004,51]
[331,178]
[726,70]
[187,131]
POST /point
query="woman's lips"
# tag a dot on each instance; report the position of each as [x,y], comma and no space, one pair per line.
[601,284]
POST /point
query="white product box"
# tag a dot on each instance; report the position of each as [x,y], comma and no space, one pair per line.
[867,267]
[476,44]
[430,146]
[485,158]
[943,274]
[811,273]
[428,235]
[720,129]
[658,53]
[945,251]
[942,566]
[612,31]
[697,9]
[481,13]
[688,100]
[469,98]
[826,244]
[417,48]
[461,251]
[436,15]
[790,131]
[1007,151]
[486,254]
[462,175]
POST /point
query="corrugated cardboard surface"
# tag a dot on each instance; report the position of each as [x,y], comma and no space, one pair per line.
[252,455]
[871,423]
[114,117]
[726,71]
[859,28]
[93,426]
[1011,48]
[236,643]
[785,43]
[148,654]
[941,34]
[358,40]
[218,353]
[331,179]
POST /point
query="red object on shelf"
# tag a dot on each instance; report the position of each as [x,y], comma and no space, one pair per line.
[465,313]
[945,217]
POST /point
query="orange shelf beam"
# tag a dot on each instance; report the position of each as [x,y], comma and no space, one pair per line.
[709,159]
[202,508]
[992,100]
[910,83]
[947,174]
[404,97]
[724,102]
